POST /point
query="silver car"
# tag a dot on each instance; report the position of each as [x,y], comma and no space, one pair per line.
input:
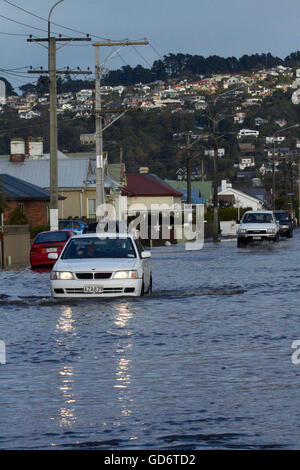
[101,265]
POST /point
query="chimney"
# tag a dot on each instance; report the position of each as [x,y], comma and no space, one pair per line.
[17,150]
[225,185]
[35,147]
[143,170]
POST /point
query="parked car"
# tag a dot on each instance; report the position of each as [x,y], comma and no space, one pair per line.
[286,225]
[105,226]
[257,226]
[70,224]
[46,243]
[101,265]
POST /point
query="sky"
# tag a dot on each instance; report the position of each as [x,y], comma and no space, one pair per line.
[203,27]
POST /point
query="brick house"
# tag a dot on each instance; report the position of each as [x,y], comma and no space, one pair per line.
[33,200]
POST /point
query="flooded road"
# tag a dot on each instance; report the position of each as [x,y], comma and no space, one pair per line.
[205,362]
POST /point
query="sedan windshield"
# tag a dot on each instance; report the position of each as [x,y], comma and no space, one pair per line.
[257,218]
[52,237]
[99,248]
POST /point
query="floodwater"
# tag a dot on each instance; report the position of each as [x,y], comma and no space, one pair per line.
[204,362]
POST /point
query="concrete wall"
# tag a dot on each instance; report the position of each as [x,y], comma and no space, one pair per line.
[15,246]
[228,228]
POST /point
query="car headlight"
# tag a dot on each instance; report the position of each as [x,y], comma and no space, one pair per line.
[62,275]
[271,230]
[125,275]
[242,230]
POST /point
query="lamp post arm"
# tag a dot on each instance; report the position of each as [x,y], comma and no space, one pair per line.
[59,1]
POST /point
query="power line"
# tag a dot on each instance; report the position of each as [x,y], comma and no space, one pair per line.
[13,34]
[141,56]
[23,24]
[159,55]
[44,19]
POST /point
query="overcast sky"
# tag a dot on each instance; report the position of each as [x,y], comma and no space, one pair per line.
[204,27]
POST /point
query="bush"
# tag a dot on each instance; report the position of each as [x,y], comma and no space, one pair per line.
[16,217]
[225,213]
[34,231]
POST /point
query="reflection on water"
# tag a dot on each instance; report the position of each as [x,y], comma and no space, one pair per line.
[123,350]
[204,362]
[67,413]
[65,322]
[66,325]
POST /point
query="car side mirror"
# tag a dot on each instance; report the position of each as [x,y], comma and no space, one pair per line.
[146,254]
[52,256]
[237,221]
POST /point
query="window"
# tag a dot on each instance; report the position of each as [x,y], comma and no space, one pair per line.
[99,248]
[52,237]
[91,208]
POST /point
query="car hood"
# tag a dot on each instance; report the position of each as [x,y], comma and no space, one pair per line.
[255,226]
[107,264]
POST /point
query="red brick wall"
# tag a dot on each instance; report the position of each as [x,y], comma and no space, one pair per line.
[35,211]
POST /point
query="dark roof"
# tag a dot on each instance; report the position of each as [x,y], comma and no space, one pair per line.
[17,189]
[148,185]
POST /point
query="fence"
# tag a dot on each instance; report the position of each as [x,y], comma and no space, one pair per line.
[14,246]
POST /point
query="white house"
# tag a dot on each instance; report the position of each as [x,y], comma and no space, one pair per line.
[247,133]
[240,199]
[246,162]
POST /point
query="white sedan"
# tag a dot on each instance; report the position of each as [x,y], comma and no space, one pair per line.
[101,265]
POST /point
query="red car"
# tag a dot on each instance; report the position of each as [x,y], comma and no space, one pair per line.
[48,242]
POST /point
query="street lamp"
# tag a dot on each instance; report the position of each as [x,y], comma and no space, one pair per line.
[273,179]
[53,126]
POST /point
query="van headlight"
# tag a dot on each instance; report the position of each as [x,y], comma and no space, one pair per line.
[271,230]
[62,275]
[242,230]
[125,275]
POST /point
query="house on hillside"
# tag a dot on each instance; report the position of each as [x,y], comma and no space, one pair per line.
[246,162]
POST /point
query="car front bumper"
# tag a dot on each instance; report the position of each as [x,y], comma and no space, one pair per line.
[258,237]
[106,288]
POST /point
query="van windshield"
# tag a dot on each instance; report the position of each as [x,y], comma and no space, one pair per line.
[257,218]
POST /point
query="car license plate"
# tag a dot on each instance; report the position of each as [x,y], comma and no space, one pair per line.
[256,238]
[93,289]
[51,250]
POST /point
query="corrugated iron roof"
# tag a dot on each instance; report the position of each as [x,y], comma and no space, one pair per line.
[16,189]
[71,172]
[147,185]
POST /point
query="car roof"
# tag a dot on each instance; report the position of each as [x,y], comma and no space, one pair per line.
[54,231]
[105,235]
[259,212]
[71,220]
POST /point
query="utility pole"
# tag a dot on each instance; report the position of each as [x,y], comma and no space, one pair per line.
[100,196]
[52,72]
[188,167]
[215,195]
